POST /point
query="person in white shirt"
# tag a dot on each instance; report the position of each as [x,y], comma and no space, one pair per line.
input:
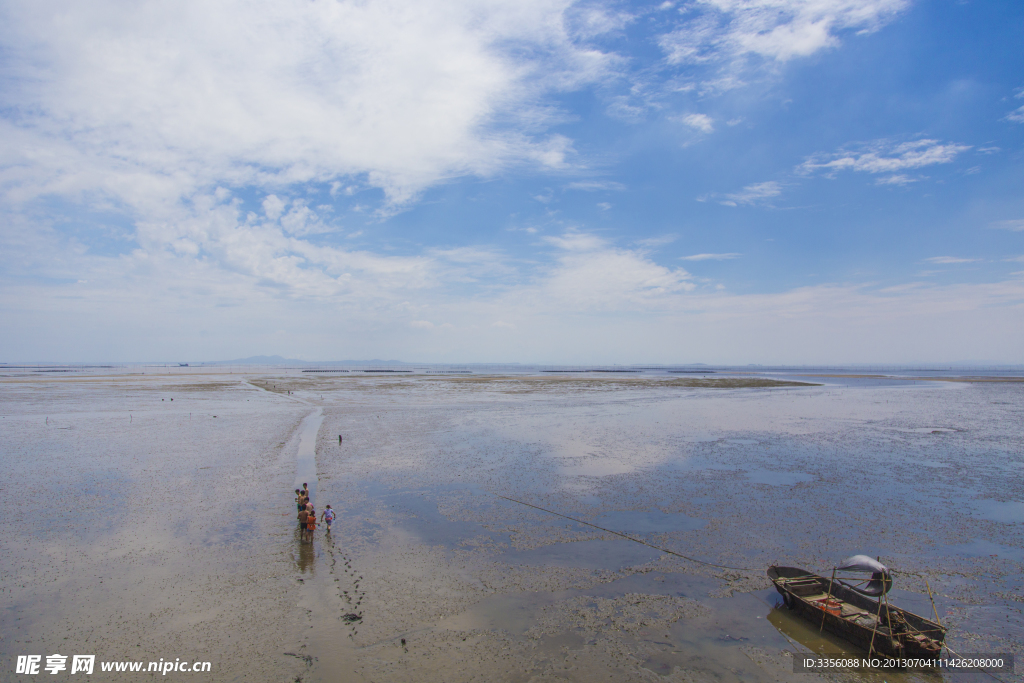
[327,517]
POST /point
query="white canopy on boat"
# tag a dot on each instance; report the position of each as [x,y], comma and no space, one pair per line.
[862,563]
[880,582]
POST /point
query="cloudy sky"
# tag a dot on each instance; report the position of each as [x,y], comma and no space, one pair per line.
[719,181]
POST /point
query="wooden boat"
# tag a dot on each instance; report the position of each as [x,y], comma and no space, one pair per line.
[876,626]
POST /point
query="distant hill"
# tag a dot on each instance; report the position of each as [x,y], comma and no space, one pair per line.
[279,360]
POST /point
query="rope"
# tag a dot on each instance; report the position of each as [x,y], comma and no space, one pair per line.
[690,559]
[627,537]
[943,629]
[956,654]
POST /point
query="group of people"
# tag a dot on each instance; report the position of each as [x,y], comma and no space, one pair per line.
[307,515]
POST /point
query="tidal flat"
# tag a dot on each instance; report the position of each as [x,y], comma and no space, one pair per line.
[152,516]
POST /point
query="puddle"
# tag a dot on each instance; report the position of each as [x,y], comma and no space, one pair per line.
[699,438]
[982,548]
[667,619]
[613,555]
[597,467]
[639,521]
[1011,512]
[776,478]
[416,512]
[421,552]
[932,463]
[514,613]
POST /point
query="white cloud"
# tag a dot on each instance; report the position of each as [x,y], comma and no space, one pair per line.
[591,275]
[1017,115]
[595,185]
[710,257]
[546,196]
[576,241]
[898,179]
[149,101]
[469,255]
[470,264]
[753,194]
[945,260]
[273,207]
[590,302]
[301,220]
[882,156]
[1016,259]
[715,46]
[1015,225]
[660,241]
[701,122]
[589,21]
[165,114]
[777,30]
[214,235]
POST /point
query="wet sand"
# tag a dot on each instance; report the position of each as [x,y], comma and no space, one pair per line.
[149,528]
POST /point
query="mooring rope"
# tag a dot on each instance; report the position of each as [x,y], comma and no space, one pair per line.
[690,559]
[984,671]
[628,537]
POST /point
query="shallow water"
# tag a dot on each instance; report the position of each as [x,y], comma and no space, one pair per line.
[305,458]
[645,521]
[200,554]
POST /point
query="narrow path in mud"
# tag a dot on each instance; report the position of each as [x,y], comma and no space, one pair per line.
[305,459]
[331,602]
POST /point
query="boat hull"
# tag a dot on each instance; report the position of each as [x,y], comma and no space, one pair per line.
[889,631]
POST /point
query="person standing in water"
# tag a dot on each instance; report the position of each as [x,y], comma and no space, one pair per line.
[303,517]
[311,523]
[298,499]
[327,517]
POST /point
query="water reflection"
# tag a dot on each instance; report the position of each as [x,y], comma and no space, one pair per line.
[799,632]
[776,478]
[644,521]
[305,474]
[720,476]
[303,552]
[1010,512]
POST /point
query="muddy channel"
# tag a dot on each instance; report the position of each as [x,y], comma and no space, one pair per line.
[151,518]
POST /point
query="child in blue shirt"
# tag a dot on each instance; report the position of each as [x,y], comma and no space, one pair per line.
[327,517]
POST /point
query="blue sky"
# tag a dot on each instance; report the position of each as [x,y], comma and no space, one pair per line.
[721,181]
